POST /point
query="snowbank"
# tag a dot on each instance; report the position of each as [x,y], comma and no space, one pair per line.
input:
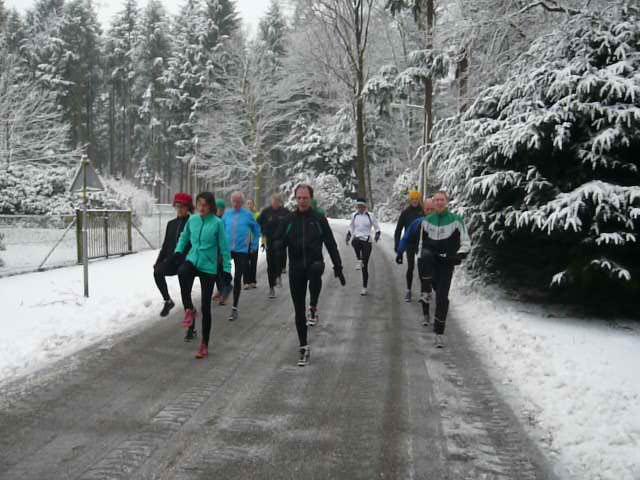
[575,382]
[45,316]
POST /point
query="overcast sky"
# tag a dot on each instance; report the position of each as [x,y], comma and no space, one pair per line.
[250,10]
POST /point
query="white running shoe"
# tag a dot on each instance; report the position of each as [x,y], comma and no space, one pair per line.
[363,292]
[439,341]
[358,265]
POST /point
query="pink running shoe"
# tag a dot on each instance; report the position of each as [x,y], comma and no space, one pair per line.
[189,318]
[203,351]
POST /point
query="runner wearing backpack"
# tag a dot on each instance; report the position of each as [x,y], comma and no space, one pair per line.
[359,233]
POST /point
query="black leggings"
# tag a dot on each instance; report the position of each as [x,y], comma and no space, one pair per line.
[165,268]
[298,279]
[363,252]
[411,257]
[252,269]
[187,274]
[241,265]
[274,264]
[437,272]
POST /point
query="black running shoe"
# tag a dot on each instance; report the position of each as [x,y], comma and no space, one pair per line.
[168,305]
[305,353]
[191,334]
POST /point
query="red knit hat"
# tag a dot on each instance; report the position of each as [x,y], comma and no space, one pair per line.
[183,199]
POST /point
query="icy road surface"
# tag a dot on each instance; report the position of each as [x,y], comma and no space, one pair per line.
[377,401]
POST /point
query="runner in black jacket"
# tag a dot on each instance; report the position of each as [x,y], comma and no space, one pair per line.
[167,263]
[305,234]
[272,220]
[407,217]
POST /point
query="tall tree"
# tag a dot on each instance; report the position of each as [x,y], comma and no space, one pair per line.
[121,44]
[80,32]
[188,74]
[152,51]
[342,27]
[14,33]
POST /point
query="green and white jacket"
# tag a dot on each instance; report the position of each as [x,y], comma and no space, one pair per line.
[443,233]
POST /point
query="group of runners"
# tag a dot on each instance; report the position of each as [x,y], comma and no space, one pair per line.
[206,243]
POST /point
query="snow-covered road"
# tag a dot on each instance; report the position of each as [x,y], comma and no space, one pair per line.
[377,401]
[571,382]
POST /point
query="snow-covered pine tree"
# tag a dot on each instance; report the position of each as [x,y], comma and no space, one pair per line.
[31,124]
[121,77]
[547,164]
[222,19]
[13,31]
[186,77]
[152,51]
[80,33]
[3,16]
[326,146]
[43,49]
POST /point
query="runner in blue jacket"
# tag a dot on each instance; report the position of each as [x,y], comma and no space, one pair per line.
[243,234]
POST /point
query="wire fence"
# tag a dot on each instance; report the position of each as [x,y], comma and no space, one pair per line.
[26,241]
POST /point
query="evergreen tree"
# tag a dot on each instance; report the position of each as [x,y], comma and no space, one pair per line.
[14,33]
[187,76]
[222,19]
[80,33]
[547,163]
[3,16]
[152,51]
[121,45]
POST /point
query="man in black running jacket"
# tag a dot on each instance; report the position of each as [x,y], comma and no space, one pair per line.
[305,233]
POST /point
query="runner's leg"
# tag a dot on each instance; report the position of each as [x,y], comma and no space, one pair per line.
[316,269]
[442,281]
[411,256]
[365,249]
[207,282]
[186,275]
[241,264]
[298,287]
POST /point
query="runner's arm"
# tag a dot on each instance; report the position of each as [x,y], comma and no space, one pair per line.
[409,235]
[185,238]
[397,234]
[223,248]
[330,243]
[165,246]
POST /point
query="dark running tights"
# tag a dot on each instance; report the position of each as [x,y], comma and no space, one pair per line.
[411,261]
[363,252]
[299,277]
[436,274]
[241,265]
[187,274]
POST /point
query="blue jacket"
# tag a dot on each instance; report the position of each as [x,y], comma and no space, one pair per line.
[243,231]
[208,240]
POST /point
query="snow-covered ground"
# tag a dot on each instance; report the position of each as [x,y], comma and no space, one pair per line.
[575,382]
[45,315]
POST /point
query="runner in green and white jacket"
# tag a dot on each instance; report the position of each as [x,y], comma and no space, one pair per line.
[444,242]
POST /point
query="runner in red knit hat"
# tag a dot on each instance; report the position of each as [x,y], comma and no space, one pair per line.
[167,263]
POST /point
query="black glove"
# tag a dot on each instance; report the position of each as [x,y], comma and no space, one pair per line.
[377,237]
[348,237]
[399,259]
[337,271]
[227,278]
